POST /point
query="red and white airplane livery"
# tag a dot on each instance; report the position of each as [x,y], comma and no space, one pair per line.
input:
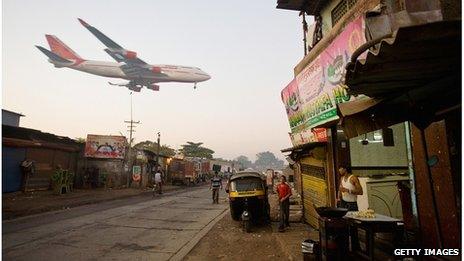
[128,65]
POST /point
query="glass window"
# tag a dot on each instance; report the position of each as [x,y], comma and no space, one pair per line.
[246,185]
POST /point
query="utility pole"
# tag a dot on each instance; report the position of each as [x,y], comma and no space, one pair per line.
[131,130]
[158,151]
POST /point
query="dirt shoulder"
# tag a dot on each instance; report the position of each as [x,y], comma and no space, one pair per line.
[19,204]
[227,241]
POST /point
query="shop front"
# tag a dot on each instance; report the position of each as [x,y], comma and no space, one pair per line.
[421,85]
[311,99]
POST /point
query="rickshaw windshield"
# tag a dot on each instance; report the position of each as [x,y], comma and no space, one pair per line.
[246,185]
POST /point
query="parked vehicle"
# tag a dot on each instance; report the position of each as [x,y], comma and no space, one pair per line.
[248,198]
[183,172]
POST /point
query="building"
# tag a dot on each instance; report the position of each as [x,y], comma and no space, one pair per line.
[46,151]
[11,118]
[369,94]
[221,165]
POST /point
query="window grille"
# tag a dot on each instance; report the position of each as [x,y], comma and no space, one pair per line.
[341,9]
[351,3]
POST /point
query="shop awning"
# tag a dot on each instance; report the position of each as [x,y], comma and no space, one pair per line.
[416,56]
[311,7]
[304,147]
[414,76]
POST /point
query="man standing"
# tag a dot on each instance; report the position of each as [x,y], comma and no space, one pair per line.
[216,184]
[284,191]
[159,180]
[349,189]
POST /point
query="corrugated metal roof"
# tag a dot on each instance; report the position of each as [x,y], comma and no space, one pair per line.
[35,135]
[8,111]
[416,56]
[311,7]
[413,76]
[304,146]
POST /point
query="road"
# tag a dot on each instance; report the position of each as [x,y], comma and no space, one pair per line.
[142,228]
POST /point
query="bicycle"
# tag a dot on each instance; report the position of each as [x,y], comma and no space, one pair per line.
[155,189]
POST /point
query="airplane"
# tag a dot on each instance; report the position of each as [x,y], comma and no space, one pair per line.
[127,66]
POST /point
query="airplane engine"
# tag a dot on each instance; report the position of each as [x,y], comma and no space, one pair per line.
[156,69]
[153,87]
[130,55]
[134,88]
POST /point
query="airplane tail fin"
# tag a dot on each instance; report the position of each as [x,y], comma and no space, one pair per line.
[60,48]
[53,56]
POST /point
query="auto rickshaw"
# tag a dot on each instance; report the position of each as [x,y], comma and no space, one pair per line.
[248,198]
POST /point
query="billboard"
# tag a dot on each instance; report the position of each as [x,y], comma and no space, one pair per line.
[291,98]
[311,98]
[105,147]
[320,84]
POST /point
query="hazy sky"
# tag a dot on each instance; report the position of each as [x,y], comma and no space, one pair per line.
[248,47]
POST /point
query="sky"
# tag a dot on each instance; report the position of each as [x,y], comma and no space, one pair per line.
[248,47]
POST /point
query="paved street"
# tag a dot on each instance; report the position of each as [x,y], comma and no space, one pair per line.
[132,229]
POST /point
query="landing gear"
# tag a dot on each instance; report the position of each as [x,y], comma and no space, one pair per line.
[194,86]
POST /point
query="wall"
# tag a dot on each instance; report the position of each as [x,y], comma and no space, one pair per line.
[114,168]
[378,155]
[326,14]
[224,165]
[46,162]
[358,10]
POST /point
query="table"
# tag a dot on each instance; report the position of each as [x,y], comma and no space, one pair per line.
[379,224]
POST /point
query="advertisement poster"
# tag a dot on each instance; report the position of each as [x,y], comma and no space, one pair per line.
[320,84]
[105,147]
[291,99]
[136,173]
[308,135]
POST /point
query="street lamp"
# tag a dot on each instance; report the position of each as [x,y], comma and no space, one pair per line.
[168,161]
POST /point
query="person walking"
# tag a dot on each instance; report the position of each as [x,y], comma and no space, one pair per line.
[284,191]
[216,184]
[349,189]
[159,180]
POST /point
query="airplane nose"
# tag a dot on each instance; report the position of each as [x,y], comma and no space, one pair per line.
[205,76]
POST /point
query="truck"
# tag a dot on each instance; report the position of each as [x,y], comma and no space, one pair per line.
[183,172]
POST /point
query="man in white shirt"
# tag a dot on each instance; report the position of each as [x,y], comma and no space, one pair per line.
[159,181]
[349,189]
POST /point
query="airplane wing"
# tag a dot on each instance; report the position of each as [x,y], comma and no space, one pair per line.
[113,49]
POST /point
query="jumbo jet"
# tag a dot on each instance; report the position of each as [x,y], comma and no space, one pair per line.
[128,66]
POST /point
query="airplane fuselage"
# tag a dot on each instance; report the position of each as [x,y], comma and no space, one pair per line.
[128,65]
[168,73]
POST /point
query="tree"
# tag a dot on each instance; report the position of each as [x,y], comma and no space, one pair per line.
[152,146]
[244,162]
[266,160]
[80,140]
[192,149]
